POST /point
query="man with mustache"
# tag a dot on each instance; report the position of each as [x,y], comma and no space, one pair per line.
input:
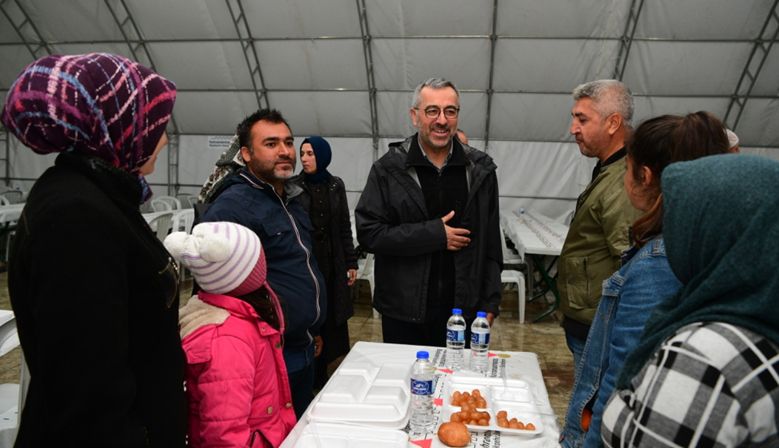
[429,214]
[600,229]
[259,197]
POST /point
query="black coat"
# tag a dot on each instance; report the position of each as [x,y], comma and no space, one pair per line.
[393,223]
[342,243]
[96,302]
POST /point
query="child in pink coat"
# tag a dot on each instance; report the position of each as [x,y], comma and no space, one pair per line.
[237,387]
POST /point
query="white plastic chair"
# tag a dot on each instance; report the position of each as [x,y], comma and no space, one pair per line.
[160,205]
[12,396]
[182,222]
[13,196]
[192,199]
[365,272]
[174,203]
[513,276]
[161,225]
[510,258]
[510,276]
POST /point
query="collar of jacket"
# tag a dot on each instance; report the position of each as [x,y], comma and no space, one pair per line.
[479,166]
[244,176]
[416,158]
[114,182]
[234,305]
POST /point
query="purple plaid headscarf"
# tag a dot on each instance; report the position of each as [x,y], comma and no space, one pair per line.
[99,103]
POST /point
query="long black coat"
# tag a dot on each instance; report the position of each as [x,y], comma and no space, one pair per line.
[342,243]
[95,298]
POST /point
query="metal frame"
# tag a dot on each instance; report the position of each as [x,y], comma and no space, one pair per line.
[740,99]
[19,27]
[42,44]
[368,55]
[138,47]
[5,142]
[30,36]
[626,41]
[493,43]
[249,51]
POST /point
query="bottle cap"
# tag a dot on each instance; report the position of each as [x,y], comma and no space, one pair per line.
[457,311]
[481,314]
[423,355]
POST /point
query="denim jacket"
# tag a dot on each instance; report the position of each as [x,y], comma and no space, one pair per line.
[629,296]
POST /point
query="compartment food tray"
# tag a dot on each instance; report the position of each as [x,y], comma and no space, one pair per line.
[364,393]
[522,407]
[333,435]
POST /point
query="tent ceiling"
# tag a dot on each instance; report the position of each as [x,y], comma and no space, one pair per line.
[516,61]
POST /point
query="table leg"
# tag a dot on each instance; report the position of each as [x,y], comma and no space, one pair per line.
[530,276]
[538,260]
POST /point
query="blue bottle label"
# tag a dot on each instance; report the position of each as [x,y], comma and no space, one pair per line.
[421,387]
[455,335]
[480,338]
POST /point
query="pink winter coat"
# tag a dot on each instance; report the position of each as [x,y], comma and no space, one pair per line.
[237,386]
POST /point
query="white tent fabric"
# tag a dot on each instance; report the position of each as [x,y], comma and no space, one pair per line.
[346,69]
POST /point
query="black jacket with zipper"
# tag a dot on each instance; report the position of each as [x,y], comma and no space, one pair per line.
[393,223]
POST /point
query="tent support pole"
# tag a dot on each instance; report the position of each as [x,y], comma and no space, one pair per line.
[627,39]
[752,68]
[490,91]
[133,37]
[368,55]
[26,30]
[249,51]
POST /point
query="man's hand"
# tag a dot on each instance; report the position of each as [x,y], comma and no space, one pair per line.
[352,276]
[490,318]
[318,346]
[455,238]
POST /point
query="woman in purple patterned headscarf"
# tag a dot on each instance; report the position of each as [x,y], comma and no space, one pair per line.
[94,291]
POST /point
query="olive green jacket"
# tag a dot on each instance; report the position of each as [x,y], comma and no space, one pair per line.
[599,232]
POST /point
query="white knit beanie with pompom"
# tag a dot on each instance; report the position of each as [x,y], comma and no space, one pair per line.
[224,257]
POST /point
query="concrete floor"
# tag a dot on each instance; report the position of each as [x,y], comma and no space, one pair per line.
[544,338]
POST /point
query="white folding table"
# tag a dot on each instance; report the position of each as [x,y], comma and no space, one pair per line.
[518,366]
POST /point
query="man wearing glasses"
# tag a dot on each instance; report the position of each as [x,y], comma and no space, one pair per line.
[429,214]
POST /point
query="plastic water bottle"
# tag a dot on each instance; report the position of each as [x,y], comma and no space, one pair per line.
[480,343]
[455,340]
[521,215]
[422,388]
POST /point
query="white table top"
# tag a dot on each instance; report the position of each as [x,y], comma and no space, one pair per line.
[11,212]
[535,234]
[518,365]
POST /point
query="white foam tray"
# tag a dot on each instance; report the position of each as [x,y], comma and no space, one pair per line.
[522,407]
[366,394]
[333,435]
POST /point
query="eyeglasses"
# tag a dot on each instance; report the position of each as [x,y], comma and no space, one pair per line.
[450,112]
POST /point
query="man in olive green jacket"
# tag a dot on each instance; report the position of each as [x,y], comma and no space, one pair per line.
[600,229]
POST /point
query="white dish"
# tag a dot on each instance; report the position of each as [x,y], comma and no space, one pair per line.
[365,394]
[333,435]
[522,407]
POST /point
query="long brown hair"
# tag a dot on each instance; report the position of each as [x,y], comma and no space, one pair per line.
[261,301]
[661,141]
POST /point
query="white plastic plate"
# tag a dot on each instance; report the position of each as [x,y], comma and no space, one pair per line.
[365,394]
[522,407]
[333,435]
